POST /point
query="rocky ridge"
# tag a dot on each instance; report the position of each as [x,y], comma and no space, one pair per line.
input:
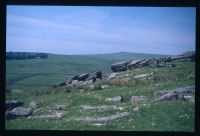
[160,62]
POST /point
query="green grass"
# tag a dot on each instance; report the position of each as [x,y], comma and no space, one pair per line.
[167,116]
[151,116]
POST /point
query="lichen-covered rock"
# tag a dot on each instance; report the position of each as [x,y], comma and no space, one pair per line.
[102,107]
[18,112]
[114,99]
[137,99]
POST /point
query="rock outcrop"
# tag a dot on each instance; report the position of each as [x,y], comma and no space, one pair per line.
[160,62]
[18,112]
[79,80]
[120,66]
[176,94]
[189,55]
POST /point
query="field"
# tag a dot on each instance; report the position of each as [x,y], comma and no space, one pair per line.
[36,77]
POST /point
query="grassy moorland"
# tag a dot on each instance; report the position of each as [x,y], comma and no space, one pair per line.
[42,73]
[147,116]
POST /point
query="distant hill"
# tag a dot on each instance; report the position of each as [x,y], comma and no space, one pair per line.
[25,55]
[127,55]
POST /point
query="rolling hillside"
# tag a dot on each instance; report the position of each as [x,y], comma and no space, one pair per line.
[40,73]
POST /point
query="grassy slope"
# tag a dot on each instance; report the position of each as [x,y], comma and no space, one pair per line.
[25,74]
[156,116]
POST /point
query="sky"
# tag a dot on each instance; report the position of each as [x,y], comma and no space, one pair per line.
[99,30]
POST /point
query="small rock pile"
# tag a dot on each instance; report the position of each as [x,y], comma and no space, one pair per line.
[79,80]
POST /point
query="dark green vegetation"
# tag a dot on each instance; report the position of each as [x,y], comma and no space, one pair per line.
[25,55]
[147,116]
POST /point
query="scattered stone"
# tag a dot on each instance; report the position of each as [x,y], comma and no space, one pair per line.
[143,75]
[101,108]
[169,96]
[113,75]
[13,104]
[189,98]
[98,124]
[137,99]
[105,86]
[114,99]
[18,112]
[104,119]
[57,115]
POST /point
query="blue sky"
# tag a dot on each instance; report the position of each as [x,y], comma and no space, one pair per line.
[94,30]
